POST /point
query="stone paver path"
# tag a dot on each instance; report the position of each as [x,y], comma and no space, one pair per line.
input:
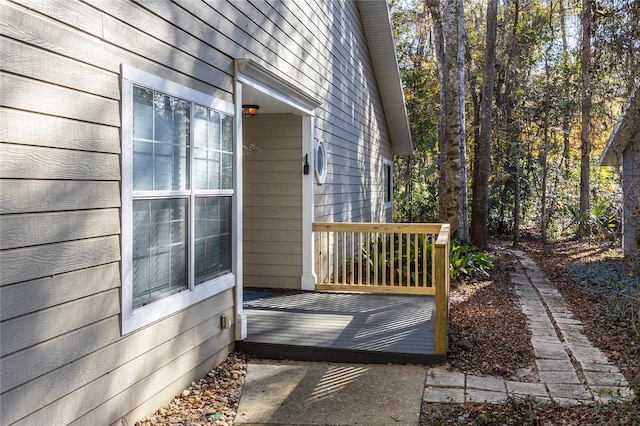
[571,369]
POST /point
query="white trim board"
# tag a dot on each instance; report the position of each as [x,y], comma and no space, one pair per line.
[254,75]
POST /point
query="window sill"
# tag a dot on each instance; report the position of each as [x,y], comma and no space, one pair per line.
[160,309]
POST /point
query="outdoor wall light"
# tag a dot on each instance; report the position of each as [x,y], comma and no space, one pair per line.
[305,167]
[250,110]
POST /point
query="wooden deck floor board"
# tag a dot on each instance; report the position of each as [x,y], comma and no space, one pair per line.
[333,326]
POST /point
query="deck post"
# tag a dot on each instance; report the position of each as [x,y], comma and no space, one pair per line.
[442,289]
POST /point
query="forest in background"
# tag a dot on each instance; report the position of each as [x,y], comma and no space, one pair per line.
[553,77]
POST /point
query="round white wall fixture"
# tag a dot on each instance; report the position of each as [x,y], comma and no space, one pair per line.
[320,161]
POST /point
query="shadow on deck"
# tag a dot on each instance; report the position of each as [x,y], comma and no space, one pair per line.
[340,327]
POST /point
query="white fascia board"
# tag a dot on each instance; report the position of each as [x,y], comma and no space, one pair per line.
[627,125]
[379,35]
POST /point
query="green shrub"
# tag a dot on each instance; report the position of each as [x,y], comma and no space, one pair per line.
[600,223]
[399,261]
[467,261]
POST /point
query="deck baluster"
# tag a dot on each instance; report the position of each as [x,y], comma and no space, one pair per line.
[348,249]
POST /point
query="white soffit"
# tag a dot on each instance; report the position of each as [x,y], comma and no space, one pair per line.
[259,78]
[379,34]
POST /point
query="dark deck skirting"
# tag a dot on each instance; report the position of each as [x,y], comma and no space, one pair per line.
[341,327]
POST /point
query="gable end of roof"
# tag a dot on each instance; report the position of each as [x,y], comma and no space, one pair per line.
[627,126]
[379,34]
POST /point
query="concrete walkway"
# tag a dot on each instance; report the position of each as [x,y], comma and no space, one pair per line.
[320,393]
[571,371]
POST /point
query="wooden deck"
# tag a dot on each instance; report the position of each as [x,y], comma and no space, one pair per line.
[341,327]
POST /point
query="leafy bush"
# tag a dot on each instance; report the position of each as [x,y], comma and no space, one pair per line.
[601,222]
[399,261]
[467,261]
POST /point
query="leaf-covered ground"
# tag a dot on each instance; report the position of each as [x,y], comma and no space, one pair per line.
[488,331]
[601,290]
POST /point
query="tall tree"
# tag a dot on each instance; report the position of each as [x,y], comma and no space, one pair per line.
[448,29]
[416,177]
[513,126]
[482,154]
[544,152]
[586,20]
[536,128]
[566,90]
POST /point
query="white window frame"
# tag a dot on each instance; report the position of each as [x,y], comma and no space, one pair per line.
[387,184]
[133,319]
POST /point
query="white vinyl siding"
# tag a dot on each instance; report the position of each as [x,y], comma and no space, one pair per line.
[272,212]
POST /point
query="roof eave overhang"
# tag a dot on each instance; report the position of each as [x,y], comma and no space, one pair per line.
[379,34]
[624,131]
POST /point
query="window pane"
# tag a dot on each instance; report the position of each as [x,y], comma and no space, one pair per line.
[170,167]
[159,166]
[200,127]
[165,130]
[142,113]
[161,160]
[142,165]
[212,170]
[214,130]
[200,163]
[227,171]
[212,237]
[171,119]
[227,133]
[159,249]
[206,169]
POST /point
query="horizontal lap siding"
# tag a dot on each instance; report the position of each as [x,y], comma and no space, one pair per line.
[330,58]
[60,191]
[118,367]
[23,128]
[63,356]
[351,119]
[321,45]
[272,213]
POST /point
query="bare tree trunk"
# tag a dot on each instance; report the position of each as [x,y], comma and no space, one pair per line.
[543,154]
[475,96]
[545,142]
[408,190]
[513,127]
[515,142]
[435,9]
[482,159]
[566,130]
[449,41]
[585,134]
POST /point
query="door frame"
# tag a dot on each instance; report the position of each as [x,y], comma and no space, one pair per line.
[250,73]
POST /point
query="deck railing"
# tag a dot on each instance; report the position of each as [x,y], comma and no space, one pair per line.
[387,257]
